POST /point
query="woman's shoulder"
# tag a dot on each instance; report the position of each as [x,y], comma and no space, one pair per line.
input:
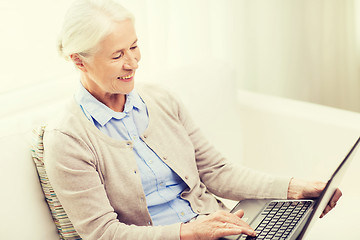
[151,89]
[156,93]
[68,120]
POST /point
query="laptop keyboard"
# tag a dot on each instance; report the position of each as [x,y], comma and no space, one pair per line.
[279,219]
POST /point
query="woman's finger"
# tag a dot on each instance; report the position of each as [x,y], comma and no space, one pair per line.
[332,203]
[326,210]
[232,229]
[337,195]
[232,222]
[239,213]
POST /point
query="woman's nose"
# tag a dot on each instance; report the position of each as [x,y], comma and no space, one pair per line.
[131,62]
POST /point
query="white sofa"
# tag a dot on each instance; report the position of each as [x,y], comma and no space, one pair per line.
[269,133]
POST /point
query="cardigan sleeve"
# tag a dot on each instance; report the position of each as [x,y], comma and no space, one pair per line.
[225,178]
[71,168]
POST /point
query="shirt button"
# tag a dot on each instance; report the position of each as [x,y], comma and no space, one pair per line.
[164,157]
[150,161]
[198,211]
[186,177]
[145,136]
[135,171]
[182,214]
[149,223]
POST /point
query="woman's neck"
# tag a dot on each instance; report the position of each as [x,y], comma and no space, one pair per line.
[116,102]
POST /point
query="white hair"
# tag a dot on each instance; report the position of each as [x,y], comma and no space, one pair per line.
[86,23]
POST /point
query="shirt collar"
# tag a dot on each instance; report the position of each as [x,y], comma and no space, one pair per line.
[102,113]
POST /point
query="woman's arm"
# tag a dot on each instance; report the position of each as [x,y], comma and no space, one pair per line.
[224,178]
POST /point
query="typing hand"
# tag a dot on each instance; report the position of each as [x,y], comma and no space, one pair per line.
[216,225]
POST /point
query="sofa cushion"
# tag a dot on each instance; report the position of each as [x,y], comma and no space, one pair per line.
[65,228]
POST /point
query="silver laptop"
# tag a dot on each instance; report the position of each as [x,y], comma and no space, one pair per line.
[290,219]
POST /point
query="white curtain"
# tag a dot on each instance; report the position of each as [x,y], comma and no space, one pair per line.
[174,34]
[301,49]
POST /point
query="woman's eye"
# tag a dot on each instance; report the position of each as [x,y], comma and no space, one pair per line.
[119,56]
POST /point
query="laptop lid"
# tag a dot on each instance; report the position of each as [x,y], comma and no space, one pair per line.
[329,190]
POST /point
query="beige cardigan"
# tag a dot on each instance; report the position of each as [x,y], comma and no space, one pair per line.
[98,183]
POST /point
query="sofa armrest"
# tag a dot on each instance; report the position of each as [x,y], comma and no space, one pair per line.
[307,140]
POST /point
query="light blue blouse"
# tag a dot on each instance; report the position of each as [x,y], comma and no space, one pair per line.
[162,186]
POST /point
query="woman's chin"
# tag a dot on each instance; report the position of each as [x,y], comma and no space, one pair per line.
[126,88]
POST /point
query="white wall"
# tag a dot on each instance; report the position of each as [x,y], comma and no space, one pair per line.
[301,49]
[28,42]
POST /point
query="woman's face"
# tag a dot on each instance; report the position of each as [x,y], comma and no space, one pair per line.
[112,68]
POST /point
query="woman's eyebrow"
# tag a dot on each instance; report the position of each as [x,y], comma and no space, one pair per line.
[123,49]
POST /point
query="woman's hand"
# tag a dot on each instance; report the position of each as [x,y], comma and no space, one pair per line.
[299,189]
[216,225]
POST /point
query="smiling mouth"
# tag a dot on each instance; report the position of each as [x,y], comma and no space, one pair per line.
[127,77]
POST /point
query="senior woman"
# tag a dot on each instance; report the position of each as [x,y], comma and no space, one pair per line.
[127,162]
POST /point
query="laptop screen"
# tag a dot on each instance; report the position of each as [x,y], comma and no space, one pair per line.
[329,190]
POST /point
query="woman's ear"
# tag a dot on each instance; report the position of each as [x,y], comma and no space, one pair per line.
[77,60]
